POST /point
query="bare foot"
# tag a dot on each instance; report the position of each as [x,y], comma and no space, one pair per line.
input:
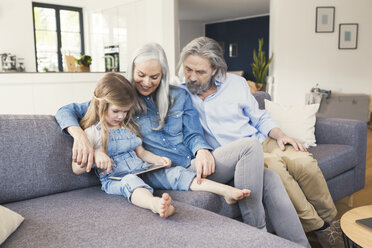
[163,206]
[233,195]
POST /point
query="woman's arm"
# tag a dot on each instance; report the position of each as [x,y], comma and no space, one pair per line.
[194,139]
[68,118]
[152,158]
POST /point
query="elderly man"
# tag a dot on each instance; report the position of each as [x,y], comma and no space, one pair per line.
[228,111]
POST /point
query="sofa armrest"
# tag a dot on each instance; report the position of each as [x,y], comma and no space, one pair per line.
[260,98]
[341,131]
[346,132]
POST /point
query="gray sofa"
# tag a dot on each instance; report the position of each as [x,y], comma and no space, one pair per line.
[65,210]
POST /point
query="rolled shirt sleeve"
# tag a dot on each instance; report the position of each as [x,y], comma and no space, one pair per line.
[71,114]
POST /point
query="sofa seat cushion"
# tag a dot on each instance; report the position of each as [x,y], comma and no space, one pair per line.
[334,159]
[91,218]
[205,200]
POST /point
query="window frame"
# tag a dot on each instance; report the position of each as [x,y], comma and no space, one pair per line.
[57,8]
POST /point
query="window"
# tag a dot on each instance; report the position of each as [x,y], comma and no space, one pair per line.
[58,31]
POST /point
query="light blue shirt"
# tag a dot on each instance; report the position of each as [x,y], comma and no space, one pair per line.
[231,113]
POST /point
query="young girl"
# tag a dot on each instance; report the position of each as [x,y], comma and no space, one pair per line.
[118,152]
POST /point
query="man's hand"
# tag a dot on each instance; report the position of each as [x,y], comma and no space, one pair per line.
[103,161]
[82,150]
[283,139]
[204,164]
[298,146]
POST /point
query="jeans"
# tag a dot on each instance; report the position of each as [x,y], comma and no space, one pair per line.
[243,161]
[175,178]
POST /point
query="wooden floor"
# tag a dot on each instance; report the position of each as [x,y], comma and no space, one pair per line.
[360,198]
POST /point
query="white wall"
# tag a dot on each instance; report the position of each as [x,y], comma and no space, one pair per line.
[130,25]
[16,31]
[303,58]
[189,30]
[44,93]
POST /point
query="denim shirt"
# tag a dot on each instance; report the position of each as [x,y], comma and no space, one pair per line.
[120,148]
[179,139]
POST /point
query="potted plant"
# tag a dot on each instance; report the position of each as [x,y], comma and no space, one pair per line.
[84,63]
[260,66]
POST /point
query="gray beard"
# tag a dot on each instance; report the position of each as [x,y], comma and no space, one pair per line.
[197,88]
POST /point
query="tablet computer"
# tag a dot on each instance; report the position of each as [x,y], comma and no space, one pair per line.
[367,222]
[151,168]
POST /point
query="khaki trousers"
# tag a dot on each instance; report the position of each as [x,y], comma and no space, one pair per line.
[304,182]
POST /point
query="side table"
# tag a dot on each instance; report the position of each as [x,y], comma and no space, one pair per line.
[356,234]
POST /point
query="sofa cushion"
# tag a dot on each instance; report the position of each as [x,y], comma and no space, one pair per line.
[296,121]
[334,159]
[35,158]
[91,218]
[10,221]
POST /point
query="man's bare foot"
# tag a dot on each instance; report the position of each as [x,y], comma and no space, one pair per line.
[163,206]
[233,195]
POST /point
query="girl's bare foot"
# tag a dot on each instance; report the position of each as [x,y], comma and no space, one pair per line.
[163,206]
[233,195]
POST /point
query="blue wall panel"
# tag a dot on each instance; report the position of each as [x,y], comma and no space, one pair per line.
[245,33]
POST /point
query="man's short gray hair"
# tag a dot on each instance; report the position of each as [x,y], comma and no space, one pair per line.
[207,48]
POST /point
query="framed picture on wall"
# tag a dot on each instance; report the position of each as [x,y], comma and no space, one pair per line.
[325,20]
[348,36]
[233,50]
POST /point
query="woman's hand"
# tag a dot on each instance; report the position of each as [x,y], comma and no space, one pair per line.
[82,150]
[204,164]
[103,161]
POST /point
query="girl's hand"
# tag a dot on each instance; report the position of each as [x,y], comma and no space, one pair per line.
[103,161]
[165,161]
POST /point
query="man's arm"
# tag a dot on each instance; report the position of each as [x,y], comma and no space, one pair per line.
[262,121]
[68,118]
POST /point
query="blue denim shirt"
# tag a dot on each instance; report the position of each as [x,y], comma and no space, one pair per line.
[179,139]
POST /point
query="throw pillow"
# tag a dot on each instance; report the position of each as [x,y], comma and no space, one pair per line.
[295,121]
[10,221]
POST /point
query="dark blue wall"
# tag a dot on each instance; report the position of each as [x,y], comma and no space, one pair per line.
[245,33]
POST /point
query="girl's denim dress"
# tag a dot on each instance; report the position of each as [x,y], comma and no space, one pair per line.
[120,148]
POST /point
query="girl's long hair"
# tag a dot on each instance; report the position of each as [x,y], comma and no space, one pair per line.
[114,89]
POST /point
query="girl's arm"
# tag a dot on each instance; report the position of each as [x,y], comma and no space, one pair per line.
[152,158]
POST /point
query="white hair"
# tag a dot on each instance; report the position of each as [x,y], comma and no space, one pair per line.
[162,99]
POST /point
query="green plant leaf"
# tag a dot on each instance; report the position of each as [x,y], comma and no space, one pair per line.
[260,66]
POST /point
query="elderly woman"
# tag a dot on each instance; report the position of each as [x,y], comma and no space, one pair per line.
[170,127]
